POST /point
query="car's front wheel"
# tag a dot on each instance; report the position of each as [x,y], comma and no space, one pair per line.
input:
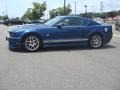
[9,24]
[32,43]
[95,41]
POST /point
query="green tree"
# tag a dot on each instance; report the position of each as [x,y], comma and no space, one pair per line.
[27,14]
[0,17]
[60,11]
[5,17]
[112,14]
[36,12]
[91,15]
[103,15]
[53,13]
[119,12]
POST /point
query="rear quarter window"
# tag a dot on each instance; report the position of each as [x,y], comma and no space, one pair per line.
[90,23]
[85,22]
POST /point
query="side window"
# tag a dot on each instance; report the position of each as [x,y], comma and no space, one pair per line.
[92,23]
[66,22]
[72,22]
[76,22]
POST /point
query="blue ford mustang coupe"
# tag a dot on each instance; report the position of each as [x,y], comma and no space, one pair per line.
[60,31]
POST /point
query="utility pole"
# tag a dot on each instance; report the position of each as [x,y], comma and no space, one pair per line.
[64,7]
[6,10]
[86,9]
[101,6]
[75,8]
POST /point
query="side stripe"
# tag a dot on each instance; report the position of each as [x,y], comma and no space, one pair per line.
[64,40]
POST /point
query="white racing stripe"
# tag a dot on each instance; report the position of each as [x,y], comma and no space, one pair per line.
[64,40]
[116,35]
[71,40]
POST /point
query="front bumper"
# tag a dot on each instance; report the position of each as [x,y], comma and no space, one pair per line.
[14,42]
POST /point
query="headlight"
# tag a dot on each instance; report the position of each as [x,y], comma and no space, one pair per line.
[12,34]
[8,34]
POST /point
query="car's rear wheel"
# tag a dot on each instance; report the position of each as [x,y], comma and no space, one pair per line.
[95,41]
[32,43]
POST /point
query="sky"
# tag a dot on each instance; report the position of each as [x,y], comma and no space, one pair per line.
[16,8]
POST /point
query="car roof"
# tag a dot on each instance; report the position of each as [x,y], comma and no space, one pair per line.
[75,17]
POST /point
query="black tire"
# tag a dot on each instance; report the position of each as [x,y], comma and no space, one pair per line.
[118,28]
[9,24]
[95,41]
[34,48]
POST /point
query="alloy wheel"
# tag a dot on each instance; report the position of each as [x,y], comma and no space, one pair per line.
[96,41]
[32,43]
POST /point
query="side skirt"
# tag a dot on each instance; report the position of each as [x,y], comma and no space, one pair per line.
[59,43]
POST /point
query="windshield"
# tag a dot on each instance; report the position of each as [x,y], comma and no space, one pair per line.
[54,21]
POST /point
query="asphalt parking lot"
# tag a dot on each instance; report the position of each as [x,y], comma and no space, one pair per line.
[78,68]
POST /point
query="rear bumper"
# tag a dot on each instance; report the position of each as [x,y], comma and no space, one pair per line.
[14,42]
[108,37]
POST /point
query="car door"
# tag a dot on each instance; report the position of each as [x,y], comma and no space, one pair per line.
[76,30]
[71,31]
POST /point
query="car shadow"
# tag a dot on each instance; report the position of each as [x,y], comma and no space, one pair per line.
[67,49]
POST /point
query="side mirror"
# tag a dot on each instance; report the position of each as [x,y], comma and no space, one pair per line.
[60,25]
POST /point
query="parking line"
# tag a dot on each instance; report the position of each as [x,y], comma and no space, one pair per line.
[116,35]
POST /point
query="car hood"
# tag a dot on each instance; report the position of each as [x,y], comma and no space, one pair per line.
[28,27]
